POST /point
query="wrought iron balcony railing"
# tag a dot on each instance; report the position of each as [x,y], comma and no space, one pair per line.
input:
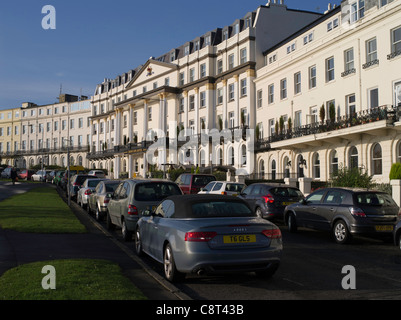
[355,119]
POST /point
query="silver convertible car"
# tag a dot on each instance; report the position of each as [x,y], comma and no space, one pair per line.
[208,234]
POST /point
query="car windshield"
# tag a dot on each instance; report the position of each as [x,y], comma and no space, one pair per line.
[202,180]
[221,209]
[374,199]
[155,191]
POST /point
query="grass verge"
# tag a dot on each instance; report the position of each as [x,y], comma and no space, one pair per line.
[78,279]
[40,210]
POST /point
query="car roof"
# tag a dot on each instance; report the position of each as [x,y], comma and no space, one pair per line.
[359,190]
[272,184]
[184,202]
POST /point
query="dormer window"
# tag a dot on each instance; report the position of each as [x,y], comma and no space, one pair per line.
[357,10]
[197,45]
[225,35]
[186,50]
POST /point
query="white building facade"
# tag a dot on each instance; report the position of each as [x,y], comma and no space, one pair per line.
[204,86]
[50,132]
[329,95]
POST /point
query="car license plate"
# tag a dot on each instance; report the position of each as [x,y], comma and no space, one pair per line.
[287,203]
[385,228]
[240,238]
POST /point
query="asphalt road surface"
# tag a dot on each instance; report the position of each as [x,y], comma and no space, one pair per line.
[311,268]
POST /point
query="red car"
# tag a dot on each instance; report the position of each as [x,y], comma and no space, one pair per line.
[26,174]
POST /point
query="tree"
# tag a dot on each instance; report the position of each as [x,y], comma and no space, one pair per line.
[395,172]
[322,113]
[243,118]
[289,124]
[220,123]
[281,124]
[332,112]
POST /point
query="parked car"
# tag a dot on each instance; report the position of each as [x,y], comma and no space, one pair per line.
[134,196]
[76,183]
[40,175]
[86,189]
[193,183]
[51,176]
[97,173]
[345,212]
[73,171]
[25,174]
[100,197]
[397,233]
[269,200]
[57,178]
[223,187]
[6,173]
[208,234]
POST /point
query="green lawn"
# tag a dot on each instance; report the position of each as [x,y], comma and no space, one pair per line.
[40,210]
[74,280]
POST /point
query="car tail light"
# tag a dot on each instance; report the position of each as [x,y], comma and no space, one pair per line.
[88,192]
[357,212]
[268,198]
[106,200]
[274,233]
[132,210]
[200,236]
[224,193]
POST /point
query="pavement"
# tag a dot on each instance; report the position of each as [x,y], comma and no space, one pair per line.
[18,248]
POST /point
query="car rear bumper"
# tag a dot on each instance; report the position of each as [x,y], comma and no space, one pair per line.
[223,261]
[381,230]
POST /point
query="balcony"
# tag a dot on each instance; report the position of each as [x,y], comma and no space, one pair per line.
[47,151]
[370,63]
[394,54]
[373,120]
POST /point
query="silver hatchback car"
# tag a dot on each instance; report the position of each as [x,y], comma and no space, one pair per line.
[132,197]
[208,234]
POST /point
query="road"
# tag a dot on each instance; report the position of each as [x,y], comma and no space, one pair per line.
[311,268]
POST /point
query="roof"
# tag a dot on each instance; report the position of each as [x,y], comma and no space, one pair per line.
[183,203]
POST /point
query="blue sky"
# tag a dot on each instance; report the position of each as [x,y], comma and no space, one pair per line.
[101,39]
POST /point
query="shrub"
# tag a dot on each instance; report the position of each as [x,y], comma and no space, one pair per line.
[352,178]
[395,172]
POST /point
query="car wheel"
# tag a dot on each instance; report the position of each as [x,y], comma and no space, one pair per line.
[109,224]
[127,235]
[138,243]
[341,233]
[292,223]
[98,215]
[170,271]
[259,212]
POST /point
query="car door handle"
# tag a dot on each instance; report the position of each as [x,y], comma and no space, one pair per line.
[332,209]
